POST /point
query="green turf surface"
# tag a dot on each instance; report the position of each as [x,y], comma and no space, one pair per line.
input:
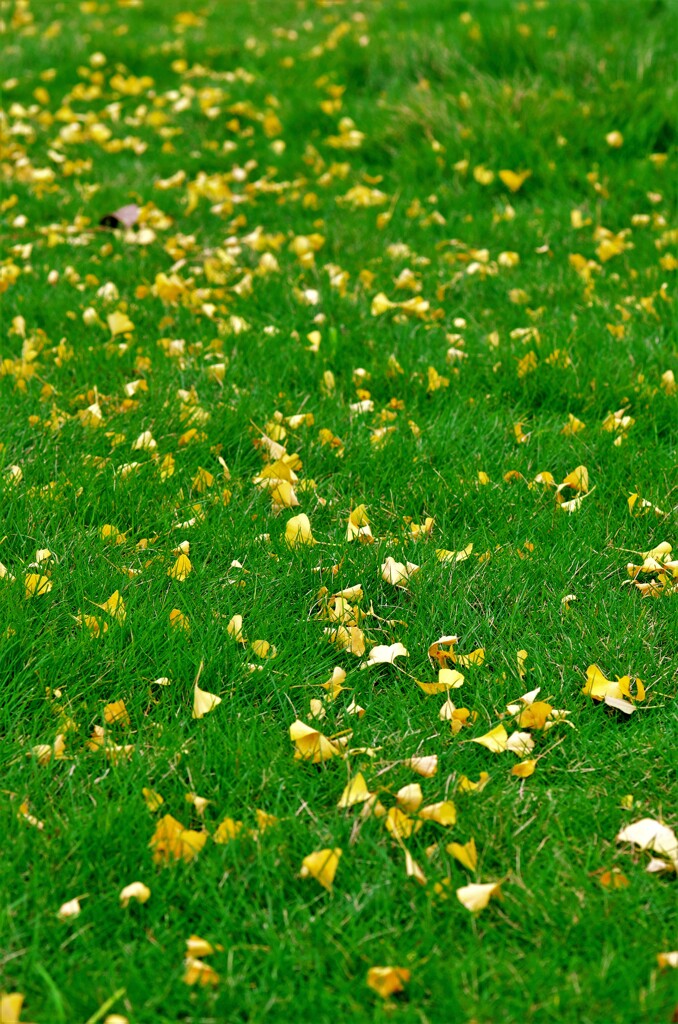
[557,300]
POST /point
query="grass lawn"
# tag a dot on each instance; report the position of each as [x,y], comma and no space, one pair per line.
[382,351]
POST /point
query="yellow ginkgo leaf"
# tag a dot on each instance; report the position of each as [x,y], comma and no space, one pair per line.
[650,834]
[112,534]
[520,743]
[514,180]
[410,797]
[227,830]
[413,870]
[356,792]
[495,740]
[119,323]
[534,715]
[171,841]
[203,702]
[135,891]
[521,658]
[10,1007]
[397,573]
[450,678]
[181,568]
[202,480]
[265,820]
[333,684]
[444,813]
[42,752]
[69,910]
[385,654]
[476,657]
[359,526]
[578,480]
[573,426]
[179,621]
[399,825]
[298,531]
[195,946]
[235,629]
[145,442]
[116,712]
[387,981]
[445,555]
[442,650]
[114,606]
[465,853]
[152,799]
[347,638]
[600,688]
[426,765]
[524,769]
[199,973]
[283,495]
[36,585]
[311,744]
[476,896]
[200,803]
[321,865]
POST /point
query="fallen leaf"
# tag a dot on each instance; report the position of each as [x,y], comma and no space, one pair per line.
[152,799]
[226,831]
[524,769]
[119,323]
[442,650]
[387,981]
[410,797]
[444,813]
[171,841]
[465,785]
[334,684]
[613,879]
[426,765]
[356,792]
[10,1007]
[69,910]
[116,712]
[413,870]
[385,654]
[650,834]
[181,568]
[204,702]
[311,744]
[298,531]
[36,585]
[520,743]
[195,946]
[476,896]
[197,972]
[399,824]
[495,740]
[359,526]
[465,853]
[321,865]
[397,573]
[135,891]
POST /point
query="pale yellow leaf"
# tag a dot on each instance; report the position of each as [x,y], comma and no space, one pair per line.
[321,865]
[476,896]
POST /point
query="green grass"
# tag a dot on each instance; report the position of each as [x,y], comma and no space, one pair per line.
[531,86]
